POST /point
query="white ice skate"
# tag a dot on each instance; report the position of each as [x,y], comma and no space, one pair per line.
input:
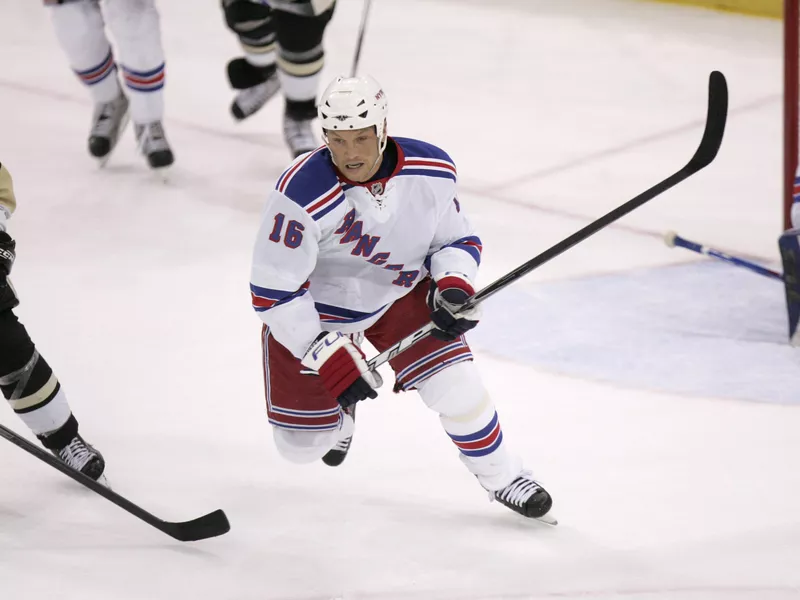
[154,145]
[108,122]
[298,135]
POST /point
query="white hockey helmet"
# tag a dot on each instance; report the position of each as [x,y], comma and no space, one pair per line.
[354,103]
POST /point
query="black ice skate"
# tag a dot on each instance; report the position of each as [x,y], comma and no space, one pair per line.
[67,445]
[82,457]
[338,453]
[153,144]
[297,133]
[108,123]
[527,497]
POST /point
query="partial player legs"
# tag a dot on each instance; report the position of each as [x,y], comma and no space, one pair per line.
[281,50]
[300,61]
[136,29]
[36,396]
[307,420]
[449,383]
[468,416]
[307,446]
[255,74]
[79,28]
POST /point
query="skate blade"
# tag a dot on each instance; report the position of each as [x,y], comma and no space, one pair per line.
[548,519]
[162,174]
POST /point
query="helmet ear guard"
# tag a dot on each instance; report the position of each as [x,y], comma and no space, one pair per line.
[351,103]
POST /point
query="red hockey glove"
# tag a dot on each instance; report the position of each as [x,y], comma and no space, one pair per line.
[342,367]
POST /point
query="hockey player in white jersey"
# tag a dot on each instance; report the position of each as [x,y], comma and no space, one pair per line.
[366,236]
[80,29]
[282,45]
[27,381]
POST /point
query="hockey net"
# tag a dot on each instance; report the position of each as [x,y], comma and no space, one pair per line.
[791,100]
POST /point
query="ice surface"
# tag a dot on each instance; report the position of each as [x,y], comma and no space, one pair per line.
[618,382]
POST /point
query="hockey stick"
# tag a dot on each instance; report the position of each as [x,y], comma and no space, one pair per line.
[709,146]
[672,239]
[361,30]
[789,245]
[207,526]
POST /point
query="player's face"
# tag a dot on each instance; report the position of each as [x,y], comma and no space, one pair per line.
[355,152]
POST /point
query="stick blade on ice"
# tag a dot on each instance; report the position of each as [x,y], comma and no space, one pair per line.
[789,244]
[211,525]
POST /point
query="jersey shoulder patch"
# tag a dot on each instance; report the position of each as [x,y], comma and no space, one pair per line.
[311,183]
[424,159]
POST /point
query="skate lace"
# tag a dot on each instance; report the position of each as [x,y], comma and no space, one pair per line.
[298,134]
[518,491]
[252,99]
[76,454]
[151,137]
[105,118]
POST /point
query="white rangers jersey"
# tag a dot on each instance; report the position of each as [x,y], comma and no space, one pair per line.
[333,255]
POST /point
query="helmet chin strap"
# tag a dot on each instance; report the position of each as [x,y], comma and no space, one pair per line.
[381,147]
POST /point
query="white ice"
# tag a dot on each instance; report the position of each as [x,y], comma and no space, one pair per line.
[652,391]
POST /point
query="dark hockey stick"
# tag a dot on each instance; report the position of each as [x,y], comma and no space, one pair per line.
[362,28]
[207,526]
[672,239]
[709,146]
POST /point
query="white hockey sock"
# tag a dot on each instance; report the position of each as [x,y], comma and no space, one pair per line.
[79,30]
[47,418]
[468,415]
[300,78]
[136,29]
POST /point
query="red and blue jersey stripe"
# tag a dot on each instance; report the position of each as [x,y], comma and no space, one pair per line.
[266,298]
[335,314]
[472,245]
[312,183]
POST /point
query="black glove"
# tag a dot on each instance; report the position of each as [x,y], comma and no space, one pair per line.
[445,299]
[7,253]
[8,297]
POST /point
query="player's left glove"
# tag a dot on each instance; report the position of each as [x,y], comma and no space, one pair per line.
[445,299]
[8,297]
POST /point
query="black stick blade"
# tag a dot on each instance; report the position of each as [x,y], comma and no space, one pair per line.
[208,526]
[715,122]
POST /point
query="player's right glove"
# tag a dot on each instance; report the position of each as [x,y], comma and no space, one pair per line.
[7,253]
[342,367]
